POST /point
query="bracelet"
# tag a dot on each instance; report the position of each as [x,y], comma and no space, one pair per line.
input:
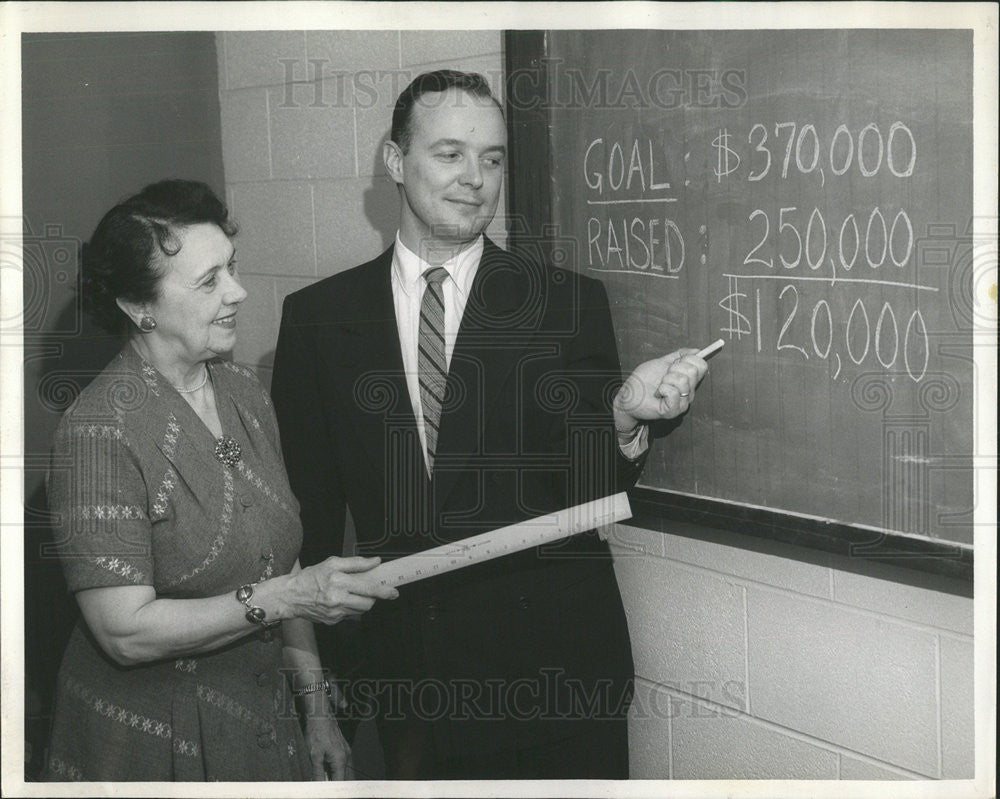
[322,685]
[254,614]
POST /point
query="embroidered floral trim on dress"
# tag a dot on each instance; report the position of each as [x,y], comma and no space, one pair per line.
[121,568]
[240,370]
[101,431]
[150,379]
[122,715]
[225,524]
[170,436]
[244,411]
[110,512]
[260,485]
[163,493]
[226,703]
[66,770]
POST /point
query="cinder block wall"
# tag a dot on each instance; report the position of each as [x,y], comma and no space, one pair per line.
[304,115]
[754,664]
[749,664]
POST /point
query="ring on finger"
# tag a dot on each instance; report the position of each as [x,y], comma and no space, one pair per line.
[686,395]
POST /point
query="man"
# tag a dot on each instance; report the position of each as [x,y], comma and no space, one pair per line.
[448,388]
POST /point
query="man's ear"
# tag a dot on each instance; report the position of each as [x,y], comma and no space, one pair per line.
[132,310]
[392,156]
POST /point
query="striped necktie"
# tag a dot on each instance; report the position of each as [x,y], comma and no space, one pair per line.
[432,365]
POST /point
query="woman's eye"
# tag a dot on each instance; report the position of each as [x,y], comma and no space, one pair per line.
[232,267]
[210,283]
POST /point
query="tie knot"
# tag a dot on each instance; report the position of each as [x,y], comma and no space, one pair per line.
[435,275]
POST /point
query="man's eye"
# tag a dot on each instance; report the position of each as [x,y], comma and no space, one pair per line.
[448,156]
[494,162]
[210,283]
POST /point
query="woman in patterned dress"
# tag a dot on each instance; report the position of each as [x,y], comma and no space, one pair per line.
[179,535]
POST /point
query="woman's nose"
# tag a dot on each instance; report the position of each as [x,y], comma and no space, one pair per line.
[235,293]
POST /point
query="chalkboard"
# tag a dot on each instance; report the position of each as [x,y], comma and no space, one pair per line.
[807,196]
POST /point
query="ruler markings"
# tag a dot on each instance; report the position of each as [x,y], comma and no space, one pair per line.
[504,540]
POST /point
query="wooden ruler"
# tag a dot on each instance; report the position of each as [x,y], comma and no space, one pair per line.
[504,541]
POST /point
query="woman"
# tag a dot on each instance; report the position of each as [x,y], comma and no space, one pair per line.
[180,535]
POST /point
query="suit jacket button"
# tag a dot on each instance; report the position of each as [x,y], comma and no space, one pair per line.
[523,603]
[432,613]
[246,500]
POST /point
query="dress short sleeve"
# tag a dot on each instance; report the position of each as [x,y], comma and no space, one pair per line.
[98,495]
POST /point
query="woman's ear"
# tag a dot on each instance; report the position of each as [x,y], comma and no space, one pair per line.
[133,311]
[392,156]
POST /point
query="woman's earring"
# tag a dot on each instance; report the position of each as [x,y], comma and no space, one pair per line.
[147,323]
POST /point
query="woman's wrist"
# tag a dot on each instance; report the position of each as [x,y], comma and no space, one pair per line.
[271,596]
[315,708]
[312,696]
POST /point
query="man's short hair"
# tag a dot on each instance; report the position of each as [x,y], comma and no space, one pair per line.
[438,81]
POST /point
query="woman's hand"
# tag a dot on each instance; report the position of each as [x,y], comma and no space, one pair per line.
[329,591]
[328,749]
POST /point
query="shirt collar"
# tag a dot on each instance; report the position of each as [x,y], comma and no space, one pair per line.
[408,267]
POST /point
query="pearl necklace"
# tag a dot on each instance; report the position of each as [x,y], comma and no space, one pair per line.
[227,448]
[204,380]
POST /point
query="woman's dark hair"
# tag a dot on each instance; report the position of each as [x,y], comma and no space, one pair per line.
[439,81]
[119,261]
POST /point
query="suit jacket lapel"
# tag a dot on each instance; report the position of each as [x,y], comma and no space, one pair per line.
[364,349]
[501,317]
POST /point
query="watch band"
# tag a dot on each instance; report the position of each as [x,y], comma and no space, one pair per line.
[313,687]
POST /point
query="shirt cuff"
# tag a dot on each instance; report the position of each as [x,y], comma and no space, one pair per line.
[634,444]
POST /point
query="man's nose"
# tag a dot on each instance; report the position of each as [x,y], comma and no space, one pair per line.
[472,175]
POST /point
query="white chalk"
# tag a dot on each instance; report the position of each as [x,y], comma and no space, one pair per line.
[712,348]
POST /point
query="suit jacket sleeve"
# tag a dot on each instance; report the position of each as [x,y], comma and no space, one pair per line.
[592,359]
[310,457]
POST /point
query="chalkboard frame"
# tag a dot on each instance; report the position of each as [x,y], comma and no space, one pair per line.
[532,228]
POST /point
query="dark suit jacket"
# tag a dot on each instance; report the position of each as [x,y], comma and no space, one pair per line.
[525,430]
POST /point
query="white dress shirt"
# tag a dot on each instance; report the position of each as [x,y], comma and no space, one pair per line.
[407,294]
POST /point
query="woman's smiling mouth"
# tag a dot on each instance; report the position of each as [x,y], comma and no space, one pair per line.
[226,321]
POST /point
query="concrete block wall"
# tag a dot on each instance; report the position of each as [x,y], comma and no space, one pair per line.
[754,664]
[304,115]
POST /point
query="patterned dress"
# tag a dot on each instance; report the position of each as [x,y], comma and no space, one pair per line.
[142,500]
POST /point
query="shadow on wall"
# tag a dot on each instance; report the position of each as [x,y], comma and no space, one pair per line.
[381,210]
[382,199]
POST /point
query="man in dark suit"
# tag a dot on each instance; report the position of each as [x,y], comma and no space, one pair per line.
[448,388]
